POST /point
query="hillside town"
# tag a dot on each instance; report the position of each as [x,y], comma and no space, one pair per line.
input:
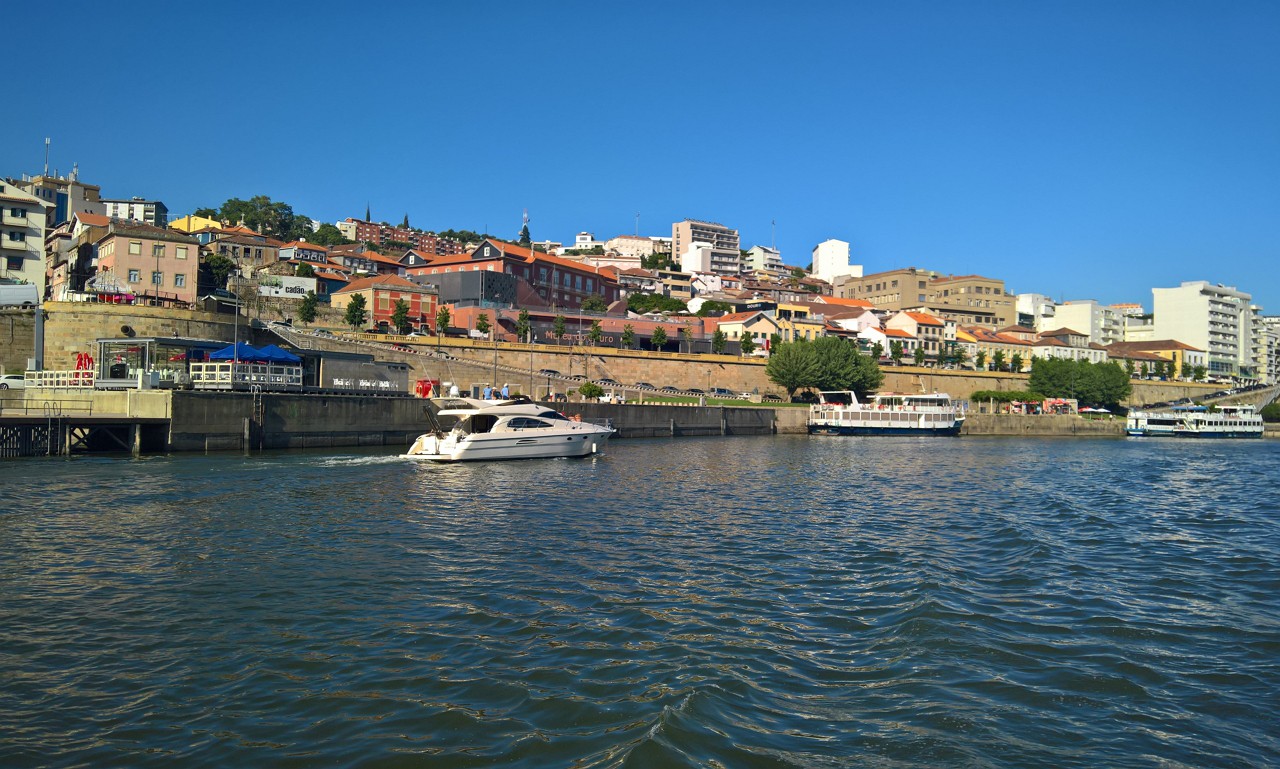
[693,289]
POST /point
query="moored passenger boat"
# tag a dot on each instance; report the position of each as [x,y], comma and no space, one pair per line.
[840,413]
[1240,421]
[509,429]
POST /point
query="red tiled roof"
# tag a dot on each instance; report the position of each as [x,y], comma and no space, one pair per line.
[308,246]
[845,302]
[898,332]
[925,319]
[93,220]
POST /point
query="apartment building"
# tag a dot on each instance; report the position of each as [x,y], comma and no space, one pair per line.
[66,197]
[724,258]
[831,261]
[1103,324]
[763,259]
[23,218]
[386,235]
[901,289]
[1212,317]
[149,261]
[972,300]
[151,212]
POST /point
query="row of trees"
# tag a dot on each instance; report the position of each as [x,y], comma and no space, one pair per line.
[1092,384]
[826,363]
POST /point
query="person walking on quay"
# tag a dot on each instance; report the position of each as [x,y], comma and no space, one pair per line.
[506,392]
[488,393]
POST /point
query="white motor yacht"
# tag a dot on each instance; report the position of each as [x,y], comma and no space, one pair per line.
[506,429]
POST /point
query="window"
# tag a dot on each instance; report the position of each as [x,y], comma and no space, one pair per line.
[18,213]
[134,276]
[135,247]
[180,252]
[179,280]
[156,278]
[13,263]
[18,237]
[157,249]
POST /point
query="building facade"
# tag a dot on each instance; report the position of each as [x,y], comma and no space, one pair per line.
[385,235]
[153,262]
[724,256]
[23,220]
[1103,324]
[831,261]
[1213,318]
[764,259]
[65,196]
[151,212]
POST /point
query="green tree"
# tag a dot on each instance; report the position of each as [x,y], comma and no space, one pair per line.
[981,360]
[658,338]
[523,327]
[404,225]
[686,334]
[718,341]
[219,267]
[656,262]
[1271,412]
[837,362]
[1199,373]
[263,215]
[400,316]
[442,320]
[1187,369]
[1015,363]
[594,303]
[590,390]
[1093,384]
[307,308]
[356,313]
[877,351]
[747,342]
[646,303]
[628,337]
[997,360]
[793,366]
[525,239]
[305,270]
[895,352]
[558,327]
[959,356]
[1144,371]
[1129,368]
[713,308]
[918,356]
[328,235]
[595,333]
[482,323]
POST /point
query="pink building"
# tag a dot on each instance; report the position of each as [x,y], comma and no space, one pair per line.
[149,261]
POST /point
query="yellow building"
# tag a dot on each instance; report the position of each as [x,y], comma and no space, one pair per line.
[190,223]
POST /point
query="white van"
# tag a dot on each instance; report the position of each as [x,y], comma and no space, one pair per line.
[20,294]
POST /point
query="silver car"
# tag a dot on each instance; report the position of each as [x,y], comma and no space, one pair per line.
[12,382]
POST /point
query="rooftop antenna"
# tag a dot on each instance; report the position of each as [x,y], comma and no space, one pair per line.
[773,235]
[46,156]
[637,224]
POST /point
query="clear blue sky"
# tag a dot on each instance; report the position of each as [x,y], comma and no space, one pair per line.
[1081,150]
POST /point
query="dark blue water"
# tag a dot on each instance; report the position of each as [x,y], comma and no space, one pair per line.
[742,602]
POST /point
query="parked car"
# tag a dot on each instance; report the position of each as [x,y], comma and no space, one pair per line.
[548,372]
[606,382]
[669,389]
[721,392]
[643,386]
[12,382]
[696,391]
[771,398]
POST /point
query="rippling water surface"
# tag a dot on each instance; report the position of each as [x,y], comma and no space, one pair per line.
[741,602]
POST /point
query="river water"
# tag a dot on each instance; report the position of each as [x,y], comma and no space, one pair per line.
[737,602]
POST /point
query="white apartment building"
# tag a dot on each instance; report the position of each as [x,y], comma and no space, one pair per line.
[151,212]
[763,258]
[632,246]
[696,258]
[1214,318]
[725,258]
[831,261]
[22,229]
[1102,323]
[1268,327]
[1036,311]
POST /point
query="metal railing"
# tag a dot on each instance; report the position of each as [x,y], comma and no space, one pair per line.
[225,375]
[79,378]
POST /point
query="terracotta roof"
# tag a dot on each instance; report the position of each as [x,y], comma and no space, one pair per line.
[383,281]
[1064,331]
[925,319]
[736,317]
[898,332]
[846,302]
[306,245]
[242,230]
[93,220]
[1160,344]
[950,278]
[1017,330]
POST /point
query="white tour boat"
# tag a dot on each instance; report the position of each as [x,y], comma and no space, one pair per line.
[840,413]
[1240,421]
[507,429]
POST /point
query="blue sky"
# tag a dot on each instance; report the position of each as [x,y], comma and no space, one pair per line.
[1081,150]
